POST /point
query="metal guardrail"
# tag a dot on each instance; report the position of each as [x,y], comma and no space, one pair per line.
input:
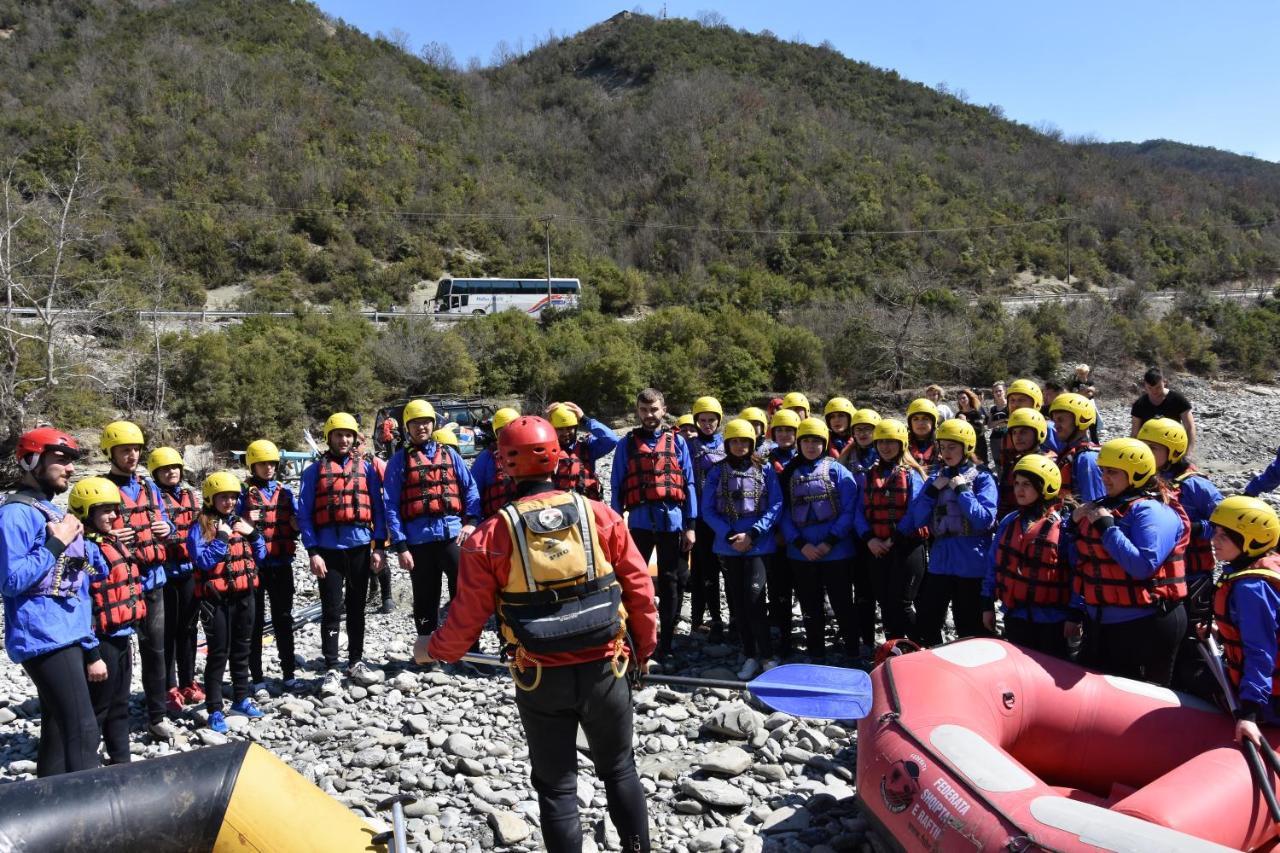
[216,315]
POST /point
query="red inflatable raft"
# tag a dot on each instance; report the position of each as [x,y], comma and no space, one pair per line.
[982,745]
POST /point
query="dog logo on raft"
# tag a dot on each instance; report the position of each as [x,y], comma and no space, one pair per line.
[898,787]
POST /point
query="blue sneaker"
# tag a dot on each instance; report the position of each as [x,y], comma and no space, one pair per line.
[246,708]
[218,722]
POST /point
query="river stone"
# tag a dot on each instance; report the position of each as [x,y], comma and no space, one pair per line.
[371,757]
[461,746]
[716,793]
[419,724]
[730,761]
[507,828]
[710,839]
[211,738]
[786,819]
[735,720]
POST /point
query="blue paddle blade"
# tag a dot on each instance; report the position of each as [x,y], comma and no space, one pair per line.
[809,690]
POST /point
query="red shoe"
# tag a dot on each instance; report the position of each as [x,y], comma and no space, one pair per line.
[173,701]
[193,694]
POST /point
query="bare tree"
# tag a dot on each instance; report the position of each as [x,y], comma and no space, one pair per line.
[48,303]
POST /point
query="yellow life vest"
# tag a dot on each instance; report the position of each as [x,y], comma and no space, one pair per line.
[561,593]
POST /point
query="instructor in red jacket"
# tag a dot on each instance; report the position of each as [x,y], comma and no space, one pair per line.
[555,558]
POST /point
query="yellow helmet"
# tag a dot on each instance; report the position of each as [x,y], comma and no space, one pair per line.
[1045,470]
[923,406]
[814,428]
[502,417]
[891,430]
[707,404]
[445,436]
[1131,456]
[685,420]
[958,429]
[784,418]
[340,420]
[1166,433]
[1253,519]
[1026,388]
[1031,419]
[260,451]
[220,482]
[415,409]
[755,416]
[1080,407]
[739,428]
[119,433]
[795,400]
[91,492]
[839,405]
[563,416]
[162,457]
[867,417]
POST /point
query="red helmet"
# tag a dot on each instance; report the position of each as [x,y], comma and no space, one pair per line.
[37,441]
[528,447]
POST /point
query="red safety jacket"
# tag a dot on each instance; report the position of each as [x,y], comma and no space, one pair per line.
[1267,568]
[576,472]
[1102,581]
[276,521]
[237,573]
[183,509]
[1029,568]
[1200,559]
[653,473]
[888,494]
[342,492]
[1067,465]
[137,515]
[430,485]
[118,597]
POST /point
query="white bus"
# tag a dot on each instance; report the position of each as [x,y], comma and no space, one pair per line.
[490,295]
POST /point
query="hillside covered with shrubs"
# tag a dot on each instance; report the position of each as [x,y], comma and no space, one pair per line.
[778,214]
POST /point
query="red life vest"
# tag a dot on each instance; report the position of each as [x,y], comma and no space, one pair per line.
[342,492]
[430,485]
[276,521]
[1101,580]
[925,456]
[118,597]
[576,473]
[1006,503]
[888,494]
[497,493]
[1029,569]
[1067,465]
[137,514]
[234,574]
[1267,568]
[653,473]
[182,510]
[1200,559]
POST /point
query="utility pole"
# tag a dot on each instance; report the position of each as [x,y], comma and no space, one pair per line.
[1069,222]
[546,220]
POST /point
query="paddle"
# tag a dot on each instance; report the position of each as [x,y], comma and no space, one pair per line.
[1209,651]
[802,690]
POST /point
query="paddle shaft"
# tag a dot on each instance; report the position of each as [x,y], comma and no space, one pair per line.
[674,680]
[1209,651]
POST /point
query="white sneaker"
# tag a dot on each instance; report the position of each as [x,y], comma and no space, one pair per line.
[332,683]
[357,669]
[749,669]
[771,663]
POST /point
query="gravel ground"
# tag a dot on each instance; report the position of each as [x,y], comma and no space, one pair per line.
[720,773]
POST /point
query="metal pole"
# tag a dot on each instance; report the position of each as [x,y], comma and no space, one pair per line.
[1069,252]
[547,222]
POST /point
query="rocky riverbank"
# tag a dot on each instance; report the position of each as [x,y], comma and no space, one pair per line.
[720,773]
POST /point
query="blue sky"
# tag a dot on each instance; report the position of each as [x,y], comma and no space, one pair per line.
[1197,72]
